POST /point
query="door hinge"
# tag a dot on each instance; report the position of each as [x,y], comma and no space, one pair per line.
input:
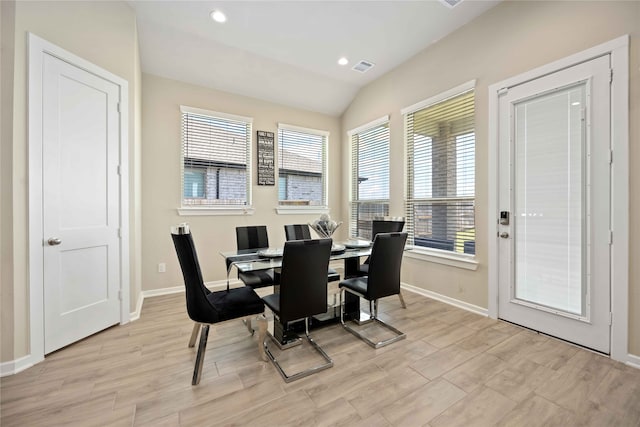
[610,75]
[120,295]
[119,170]
[610,237]
[610,156]
[503,91]
[119,233]
[118,106]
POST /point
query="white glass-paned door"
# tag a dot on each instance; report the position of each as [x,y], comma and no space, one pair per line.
[549,201]
[554,204]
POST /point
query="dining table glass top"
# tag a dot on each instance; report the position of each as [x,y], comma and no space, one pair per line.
[265,258]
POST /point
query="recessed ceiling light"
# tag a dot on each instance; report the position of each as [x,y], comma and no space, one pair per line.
[218,16]
[343,61]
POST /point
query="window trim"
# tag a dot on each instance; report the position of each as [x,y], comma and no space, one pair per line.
[377,122]
[303,210]
[464,87]
[185,210]
[450,258]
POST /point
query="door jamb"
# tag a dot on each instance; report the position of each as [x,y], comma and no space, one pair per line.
[37,48]
[619,256]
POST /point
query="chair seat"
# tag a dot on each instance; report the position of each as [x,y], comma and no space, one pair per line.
[257,279]
[356,284]
[237,302]
[273,302]
[332,275]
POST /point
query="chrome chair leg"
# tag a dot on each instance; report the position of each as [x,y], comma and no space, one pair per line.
[262,333]
[289,378]
[194,334]
[402,303]
[374,315]
[197,370]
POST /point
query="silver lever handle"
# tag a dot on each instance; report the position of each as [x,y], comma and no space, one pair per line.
[54,241]
[504,235]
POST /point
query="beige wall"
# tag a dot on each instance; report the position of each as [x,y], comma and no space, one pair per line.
[103,33]
[161,182]
[510,39]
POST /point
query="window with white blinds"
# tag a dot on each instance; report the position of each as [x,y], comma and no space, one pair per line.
[216,159]
[369,176]
[302,165]
[440,203]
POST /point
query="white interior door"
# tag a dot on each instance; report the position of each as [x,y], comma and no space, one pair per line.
[80,203]
[554,190]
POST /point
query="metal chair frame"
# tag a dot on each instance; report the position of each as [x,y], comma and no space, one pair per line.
[310,371]
[373,317]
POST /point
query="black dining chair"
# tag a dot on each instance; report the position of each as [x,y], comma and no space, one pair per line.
[302,294]
[383,280]
[301,232]
[206,308]
[383,226]
[253,237]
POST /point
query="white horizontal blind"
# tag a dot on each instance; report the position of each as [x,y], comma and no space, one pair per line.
[216,160]
[369,178]
[302,158]
[440,205]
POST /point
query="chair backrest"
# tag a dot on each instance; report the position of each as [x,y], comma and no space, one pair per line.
[385,226]
[198,307]
[303,278]
[297,232]
[384,265]
[252,237]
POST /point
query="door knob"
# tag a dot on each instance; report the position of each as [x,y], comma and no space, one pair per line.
[54,241]
[504,235]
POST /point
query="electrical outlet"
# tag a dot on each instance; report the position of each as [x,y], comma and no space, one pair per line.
[162,267]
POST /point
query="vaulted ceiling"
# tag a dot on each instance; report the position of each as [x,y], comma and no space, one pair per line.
[287,51]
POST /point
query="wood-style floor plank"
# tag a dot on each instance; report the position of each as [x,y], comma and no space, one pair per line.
[454,368]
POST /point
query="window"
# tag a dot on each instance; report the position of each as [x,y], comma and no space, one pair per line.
[440,204]
[302,156]
[216,159]
[369,175]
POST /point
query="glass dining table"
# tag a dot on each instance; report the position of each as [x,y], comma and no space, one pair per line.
[266,258]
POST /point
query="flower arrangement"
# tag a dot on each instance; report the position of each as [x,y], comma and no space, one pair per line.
[325,226]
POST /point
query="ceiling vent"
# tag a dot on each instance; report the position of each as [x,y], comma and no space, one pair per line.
[363,66]
[451,3]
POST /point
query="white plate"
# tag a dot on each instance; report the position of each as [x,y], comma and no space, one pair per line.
[357,244]
[271,253]
[337,248]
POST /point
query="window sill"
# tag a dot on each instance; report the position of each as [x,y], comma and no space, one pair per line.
[301,210]
[197,211]
[466,262]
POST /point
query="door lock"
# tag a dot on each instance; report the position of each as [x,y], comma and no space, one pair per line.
[54,241]
[504,235]
[504,218]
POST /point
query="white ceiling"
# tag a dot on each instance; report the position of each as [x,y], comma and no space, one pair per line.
[286,51]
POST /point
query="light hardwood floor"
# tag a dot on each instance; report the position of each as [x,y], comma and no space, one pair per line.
[454,369]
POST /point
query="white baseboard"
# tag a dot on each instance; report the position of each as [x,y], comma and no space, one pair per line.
[14,366]
[217,285]
[633,361]
[445,299]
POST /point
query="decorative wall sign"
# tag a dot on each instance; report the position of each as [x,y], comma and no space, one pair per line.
[266,163]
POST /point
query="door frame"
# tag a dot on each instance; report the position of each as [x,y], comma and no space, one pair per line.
[619,255]
[37,48]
